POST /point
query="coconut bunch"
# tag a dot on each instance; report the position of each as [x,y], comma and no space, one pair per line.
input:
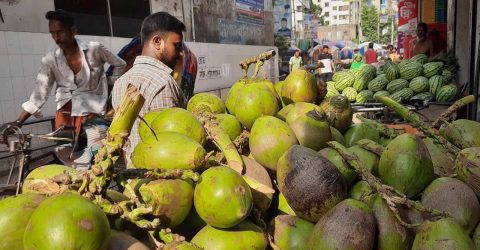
[265,169]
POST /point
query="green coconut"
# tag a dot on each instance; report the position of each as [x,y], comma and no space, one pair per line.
[245,235]
[348,225]
[270,137]
[15,212]
[339,112]
[454,197]
[334,157]
[171,200]
[131,190]
[255,98]
[172,150]
[123,241]
[443,161]
[206,102]
[310,183]
[290,232]
[462,133]
[467,168]
[222,197]
[391,234]
[312,130]
[67,221]
[337,136]
[361,191]
[232,95]
[299,86]
[283,113]
[368,158]
[283,207]
[405,164]
[442,234]
[173,120]
[181,245]
[40,175]
[230,125]
[278,87]
[298,109]
[360,131]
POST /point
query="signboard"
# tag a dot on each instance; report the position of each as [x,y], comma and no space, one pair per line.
[282,18]
[250,11]
[407,25]
[383,18]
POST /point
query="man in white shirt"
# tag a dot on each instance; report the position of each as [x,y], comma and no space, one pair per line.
[77,68]
[326,72]
[295,61]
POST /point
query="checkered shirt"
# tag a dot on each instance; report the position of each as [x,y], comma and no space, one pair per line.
[155,83]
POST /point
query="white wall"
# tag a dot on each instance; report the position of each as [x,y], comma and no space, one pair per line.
[21,52]
[25,15]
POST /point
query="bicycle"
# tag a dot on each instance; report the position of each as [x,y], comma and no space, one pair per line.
[19,145]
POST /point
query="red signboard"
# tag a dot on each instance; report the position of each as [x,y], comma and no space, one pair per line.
[407,25]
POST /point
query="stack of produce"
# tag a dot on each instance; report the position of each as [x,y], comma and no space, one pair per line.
[208,175]
[414,78]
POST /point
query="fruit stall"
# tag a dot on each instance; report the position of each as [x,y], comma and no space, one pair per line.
[275,166]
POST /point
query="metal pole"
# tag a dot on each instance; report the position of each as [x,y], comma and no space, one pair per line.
[109,12]
[193,20]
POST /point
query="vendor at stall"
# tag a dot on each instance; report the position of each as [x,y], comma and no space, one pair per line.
[423,44]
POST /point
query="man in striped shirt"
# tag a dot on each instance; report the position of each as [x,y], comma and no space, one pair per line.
[161,35]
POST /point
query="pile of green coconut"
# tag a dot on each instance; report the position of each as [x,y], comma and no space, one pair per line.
[273,167]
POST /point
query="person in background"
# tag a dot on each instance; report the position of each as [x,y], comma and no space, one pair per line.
[358,59]
[326,73]
[295,61]
[76,69]
[392,53]
[161,36]
[423,44]
[370,55]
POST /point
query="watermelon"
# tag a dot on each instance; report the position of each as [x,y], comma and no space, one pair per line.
[350,93]
[448,75]
[420,58]
[433,68]
[402,95]
[411,70]
[436,82]
[364,96]
[419,84]
[446,93]
[366,74]
[381,93]
[426,96]
[343,79]
[392,71]
[378,83]
[396,85]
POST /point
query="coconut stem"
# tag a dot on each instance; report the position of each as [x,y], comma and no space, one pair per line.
[371,146]
[183,174]
[415,120]
[445,116]
[241,142]
[392,197]
[381,128]
[244,64]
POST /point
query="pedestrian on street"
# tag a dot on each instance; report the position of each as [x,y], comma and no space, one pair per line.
[325,57]
[295,61]
[370,54]
[161,36]
[76,69]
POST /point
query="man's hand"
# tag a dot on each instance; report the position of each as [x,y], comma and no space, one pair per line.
[8,129]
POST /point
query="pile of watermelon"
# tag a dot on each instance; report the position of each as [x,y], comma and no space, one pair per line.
[414,78]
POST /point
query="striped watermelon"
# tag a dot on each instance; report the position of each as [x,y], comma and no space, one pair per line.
[419,84]
[378,83]
[364,96]
[426,96]
[354,72]
[331,90]
[411,70]
[350,93]
[420,58]
[448,75]
[402,95]
[366,74]
[446,93]
[433,68]
[396,85]
[381,93]
[436,82]
[343,79]
[392,71]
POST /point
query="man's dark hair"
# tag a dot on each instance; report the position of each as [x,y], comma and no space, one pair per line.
[325,46]
[423,26]
[62,16]
[370,45]
[283,19]
[160,22]
[389,46]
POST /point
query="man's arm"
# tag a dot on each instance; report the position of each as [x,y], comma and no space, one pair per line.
[290,65]
[112,59]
